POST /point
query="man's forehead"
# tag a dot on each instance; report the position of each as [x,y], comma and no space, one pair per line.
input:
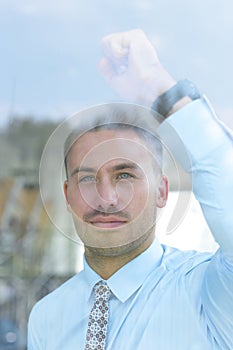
[102,146]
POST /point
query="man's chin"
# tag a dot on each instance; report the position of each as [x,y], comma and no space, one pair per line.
[107,235]
[111,234]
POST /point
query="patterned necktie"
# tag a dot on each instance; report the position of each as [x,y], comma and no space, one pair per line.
[98,319]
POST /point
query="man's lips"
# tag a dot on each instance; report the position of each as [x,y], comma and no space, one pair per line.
[107,221]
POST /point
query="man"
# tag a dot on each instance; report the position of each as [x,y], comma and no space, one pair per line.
[152,297]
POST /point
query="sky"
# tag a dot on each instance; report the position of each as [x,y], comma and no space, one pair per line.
[50,51]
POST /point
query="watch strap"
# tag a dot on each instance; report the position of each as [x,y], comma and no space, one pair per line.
[164,103]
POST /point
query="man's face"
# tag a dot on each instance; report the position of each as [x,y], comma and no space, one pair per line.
[114,188]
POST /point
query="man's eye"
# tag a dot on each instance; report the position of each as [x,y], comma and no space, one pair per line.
[125,176]
[87,178]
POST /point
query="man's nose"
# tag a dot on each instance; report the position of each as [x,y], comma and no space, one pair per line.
[107,196]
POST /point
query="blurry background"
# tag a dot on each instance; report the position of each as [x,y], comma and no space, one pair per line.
[49,51]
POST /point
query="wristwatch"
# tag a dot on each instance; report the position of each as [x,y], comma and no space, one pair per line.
[164,103]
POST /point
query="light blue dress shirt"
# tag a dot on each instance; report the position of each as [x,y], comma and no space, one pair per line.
[164,299]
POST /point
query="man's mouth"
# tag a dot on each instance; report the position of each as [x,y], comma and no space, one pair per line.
[107,222]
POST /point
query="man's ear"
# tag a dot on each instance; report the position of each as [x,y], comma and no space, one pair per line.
[65,189]
[162,193]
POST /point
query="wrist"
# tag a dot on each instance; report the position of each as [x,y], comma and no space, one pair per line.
[152,83]
[161,82]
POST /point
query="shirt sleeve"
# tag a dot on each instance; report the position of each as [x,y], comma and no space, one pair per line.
[204,146]
[208,156]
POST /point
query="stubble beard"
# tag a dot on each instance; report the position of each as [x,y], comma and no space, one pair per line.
[124,250]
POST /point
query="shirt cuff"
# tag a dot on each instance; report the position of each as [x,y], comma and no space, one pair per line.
[193,132]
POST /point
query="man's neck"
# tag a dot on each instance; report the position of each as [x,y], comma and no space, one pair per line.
[105,262]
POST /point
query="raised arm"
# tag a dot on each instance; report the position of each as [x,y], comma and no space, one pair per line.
[132,68]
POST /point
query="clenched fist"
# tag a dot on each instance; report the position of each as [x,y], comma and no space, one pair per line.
[131,66]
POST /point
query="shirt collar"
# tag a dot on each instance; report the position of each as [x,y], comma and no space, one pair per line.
[131,276]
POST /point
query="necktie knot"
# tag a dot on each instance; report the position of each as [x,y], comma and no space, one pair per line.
[102,291]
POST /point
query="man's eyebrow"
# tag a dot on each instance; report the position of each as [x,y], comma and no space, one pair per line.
[121,166]
[127,165]
[82,169]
